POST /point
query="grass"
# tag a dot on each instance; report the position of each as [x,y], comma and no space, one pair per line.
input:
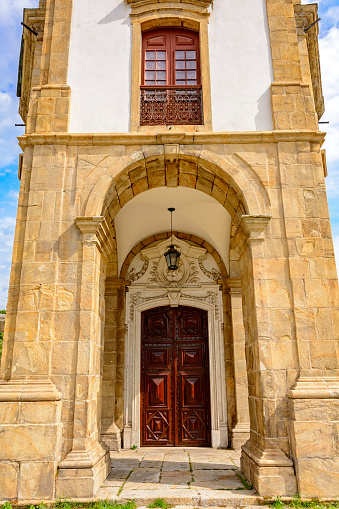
[159,503]
[68,504]
[297,503]
[244,482]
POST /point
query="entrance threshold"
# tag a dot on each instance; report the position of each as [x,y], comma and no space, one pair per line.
[182,476]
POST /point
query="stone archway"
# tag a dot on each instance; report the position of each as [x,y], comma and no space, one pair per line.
[229,179]
[150,173]
[247,231]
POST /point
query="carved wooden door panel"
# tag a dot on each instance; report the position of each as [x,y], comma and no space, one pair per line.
[175,405]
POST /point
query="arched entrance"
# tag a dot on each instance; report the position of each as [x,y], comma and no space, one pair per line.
[192,288]
[175,389]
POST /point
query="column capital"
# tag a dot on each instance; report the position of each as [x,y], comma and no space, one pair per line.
[234,285]
[250,228]
[95,229]
[113,285]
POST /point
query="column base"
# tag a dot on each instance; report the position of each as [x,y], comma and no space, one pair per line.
[240,435]
[30,439]
[314,432]
[112,440]
[269,471]
[82,473]
[220,437]
[130,438]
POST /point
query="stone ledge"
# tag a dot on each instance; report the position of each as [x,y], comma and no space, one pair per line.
[278,136]
[29,390]
[315,388]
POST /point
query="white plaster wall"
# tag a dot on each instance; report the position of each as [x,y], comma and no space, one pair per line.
[99,66]
[241,66]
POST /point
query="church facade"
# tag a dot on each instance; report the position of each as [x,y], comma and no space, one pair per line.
[210,108]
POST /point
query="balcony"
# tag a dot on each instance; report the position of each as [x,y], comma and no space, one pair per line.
[165,105]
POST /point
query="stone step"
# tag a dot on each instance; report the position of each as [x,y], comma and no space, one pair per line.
[183,497]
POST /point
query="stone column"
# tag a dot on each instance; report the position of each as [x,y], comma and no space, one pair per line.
[264,459]
[113,353]
[85,468]
[241,431]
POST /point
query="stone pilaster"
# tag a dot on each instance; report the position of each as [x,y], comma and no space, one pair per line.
[112,383]
[87,465]
[49,103]
[263,461]
[241,431]
[292,98]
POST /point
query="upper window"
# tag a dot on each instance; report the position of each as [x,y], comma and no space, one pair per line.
[170,87]
[170,57]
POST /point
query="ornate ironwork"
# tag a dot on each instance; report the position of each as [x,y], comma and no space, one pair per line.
[171,106]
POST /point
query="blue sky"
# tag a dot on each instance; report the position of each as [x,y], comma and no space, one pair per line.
[10,34]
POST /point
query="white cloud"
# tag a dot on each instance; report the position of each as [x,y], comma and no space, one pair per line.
[7,226]
[11,10]
[8,117]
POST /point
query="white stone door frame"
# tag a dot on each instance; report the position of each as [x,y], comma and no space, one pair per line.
[209,299]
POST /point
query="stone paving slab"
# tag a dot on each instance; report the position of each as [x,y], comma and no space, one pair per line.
[171,466]
[174,480]
[183,477]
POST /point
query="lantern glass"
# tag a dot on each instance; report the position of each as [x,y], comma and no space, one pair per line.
[172,258]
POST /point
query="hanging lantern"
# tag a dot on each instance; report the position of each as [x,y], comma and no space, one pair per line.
[172,255]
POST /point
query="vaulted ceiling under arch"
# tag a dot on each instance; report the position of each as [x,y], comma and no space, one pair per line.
[196,213]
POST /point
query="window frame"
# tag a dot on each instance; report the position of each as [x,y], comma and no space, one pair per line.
[162,16]
[171,47]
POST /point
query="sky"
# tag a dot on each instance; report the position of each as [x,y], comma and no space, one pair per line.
[10,35]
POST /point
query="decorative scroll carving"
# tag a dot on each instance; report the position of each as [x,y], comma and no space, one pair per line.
[210,297]
[137,299]
[212,274]
[134,276]
[170,106]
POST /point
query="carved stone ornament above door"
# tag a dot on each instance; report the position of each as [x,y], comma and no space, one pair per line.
[196,267]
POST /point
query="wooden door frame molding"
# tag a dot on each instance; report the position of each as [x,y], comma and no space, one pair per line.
[175,372]
[209,300]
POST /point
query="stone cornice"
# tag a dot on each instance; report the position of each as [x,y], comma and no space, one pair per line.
[139,7]
[138,3]
[96,229]
[234,285]
[98,139]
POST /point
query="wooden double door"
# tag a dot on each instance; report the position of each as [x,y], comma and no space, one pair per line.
[175,400]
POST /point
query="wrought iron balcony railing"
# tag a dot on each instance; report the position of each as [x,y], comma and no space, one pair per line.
[171,105]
